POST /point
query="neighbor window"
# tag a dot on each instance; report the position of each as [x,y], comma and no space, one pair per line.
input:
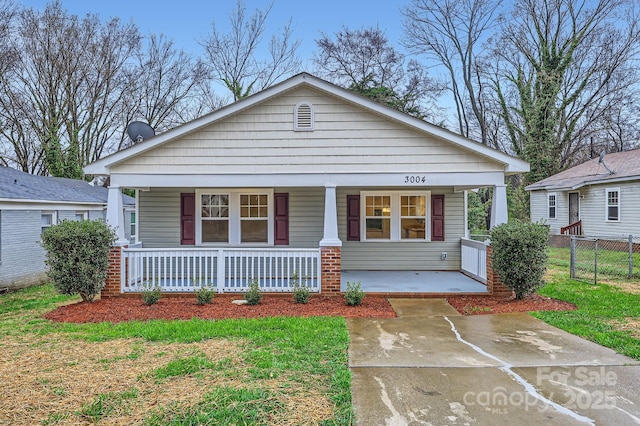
[236,217]
[552,206]
[47,220]
[613,205]
[395,216]
[81,215]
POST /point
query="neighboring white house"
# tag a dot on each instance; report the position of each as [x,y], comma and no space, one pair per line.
[28,205]
[304,168]
[595,198]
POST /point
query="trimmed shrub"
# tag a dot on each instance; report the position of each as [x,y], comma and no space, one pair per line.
[301,293]
[78,256]
[205,294]
[354,294]
[254,295]
[520,256]
[151,294]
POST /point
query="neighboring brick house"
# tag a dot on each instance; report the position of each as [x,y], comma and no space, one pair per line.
[29,204]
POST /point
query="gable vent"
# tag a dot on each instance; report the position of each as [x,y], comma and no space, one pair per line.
[303,117]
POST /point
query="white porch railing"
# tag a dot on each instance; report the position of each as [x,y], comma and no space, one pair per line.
[474,259]
[228,270]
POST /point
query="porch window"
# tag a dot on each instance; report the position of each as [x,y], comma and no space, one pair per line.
[378,217]
[254,218]
[234,217]
[552,205]
[613,205]
[395,216]
[215,218]
[413,211]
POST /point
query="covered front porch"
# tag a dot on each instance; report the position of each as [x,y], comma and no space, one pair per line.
[414,283]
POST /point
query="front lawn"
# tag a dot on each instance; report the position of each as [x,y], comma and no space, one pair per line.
[608,314]
[250,371]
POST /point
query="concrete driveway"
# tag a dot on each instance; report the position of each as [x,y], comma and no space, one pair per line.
[432,366]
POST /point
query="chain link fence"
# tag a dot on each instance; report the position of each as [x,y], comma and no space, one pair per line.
[601,259]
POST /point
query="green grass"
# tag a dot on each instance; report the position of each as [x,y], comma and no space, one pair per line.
[600,307]
[302,353]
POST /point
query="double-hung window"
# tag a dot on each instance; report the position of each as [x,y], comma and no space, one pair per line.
[47,220]
[215,218]
[81,215]
[551,204]
[395,216]
[613,205]
[234,217]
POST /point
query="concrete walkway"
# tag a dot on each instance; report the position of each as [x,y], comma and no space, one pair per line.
[432,366]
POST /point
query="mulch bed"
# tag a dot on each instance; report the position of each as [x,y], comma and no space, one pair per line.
[120,309]
[483,305]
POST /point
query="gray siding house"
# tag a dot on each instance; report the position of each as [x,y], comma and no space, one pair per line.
[596,198]
[28,205]
[302,172]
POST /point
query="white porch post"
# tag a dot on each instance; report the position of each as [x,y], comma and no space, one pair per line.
[115,215]
[499,210]
[330,237]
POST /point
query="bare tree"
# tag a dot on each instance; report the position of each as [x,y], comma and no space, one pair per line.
[62,95]
[235,58]
[364,61]
[165,85]
[562,69]
[451,32]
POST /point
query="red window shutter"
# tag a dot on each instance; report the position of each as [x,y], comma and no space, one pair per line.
[437,217]
[281,219]
[353,218]
[188,218]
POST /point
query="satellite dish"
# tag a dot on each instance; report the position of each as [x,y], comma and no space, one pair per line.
[139,131]
[601,161]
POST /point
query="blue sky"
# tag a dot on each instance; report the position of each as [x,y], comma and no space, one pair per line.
[189,21]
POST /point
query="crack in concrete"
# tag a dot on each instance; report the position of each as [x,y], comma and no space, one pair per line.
[507,368]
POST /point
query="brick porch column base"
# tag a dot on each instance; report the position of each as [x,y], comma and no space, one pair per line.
[331,267]
[112,284]
[494,285]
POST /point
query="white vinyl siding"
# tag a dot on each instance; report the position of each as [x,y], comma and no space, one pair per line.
[22,252]
[346,139]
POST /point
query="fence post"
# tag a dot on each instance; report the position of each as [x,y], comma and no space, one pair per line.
[630,256]
[595,262]
[572,262]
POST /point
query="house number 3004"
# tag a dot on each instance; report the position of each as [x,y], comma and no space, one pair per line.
[415,179]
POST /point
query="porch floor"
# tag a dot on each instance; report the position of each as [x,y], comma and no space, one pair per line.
[438,282]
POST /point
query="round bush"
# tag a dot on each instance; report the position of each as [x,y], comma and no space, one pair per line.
[520,256]
[78,256]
